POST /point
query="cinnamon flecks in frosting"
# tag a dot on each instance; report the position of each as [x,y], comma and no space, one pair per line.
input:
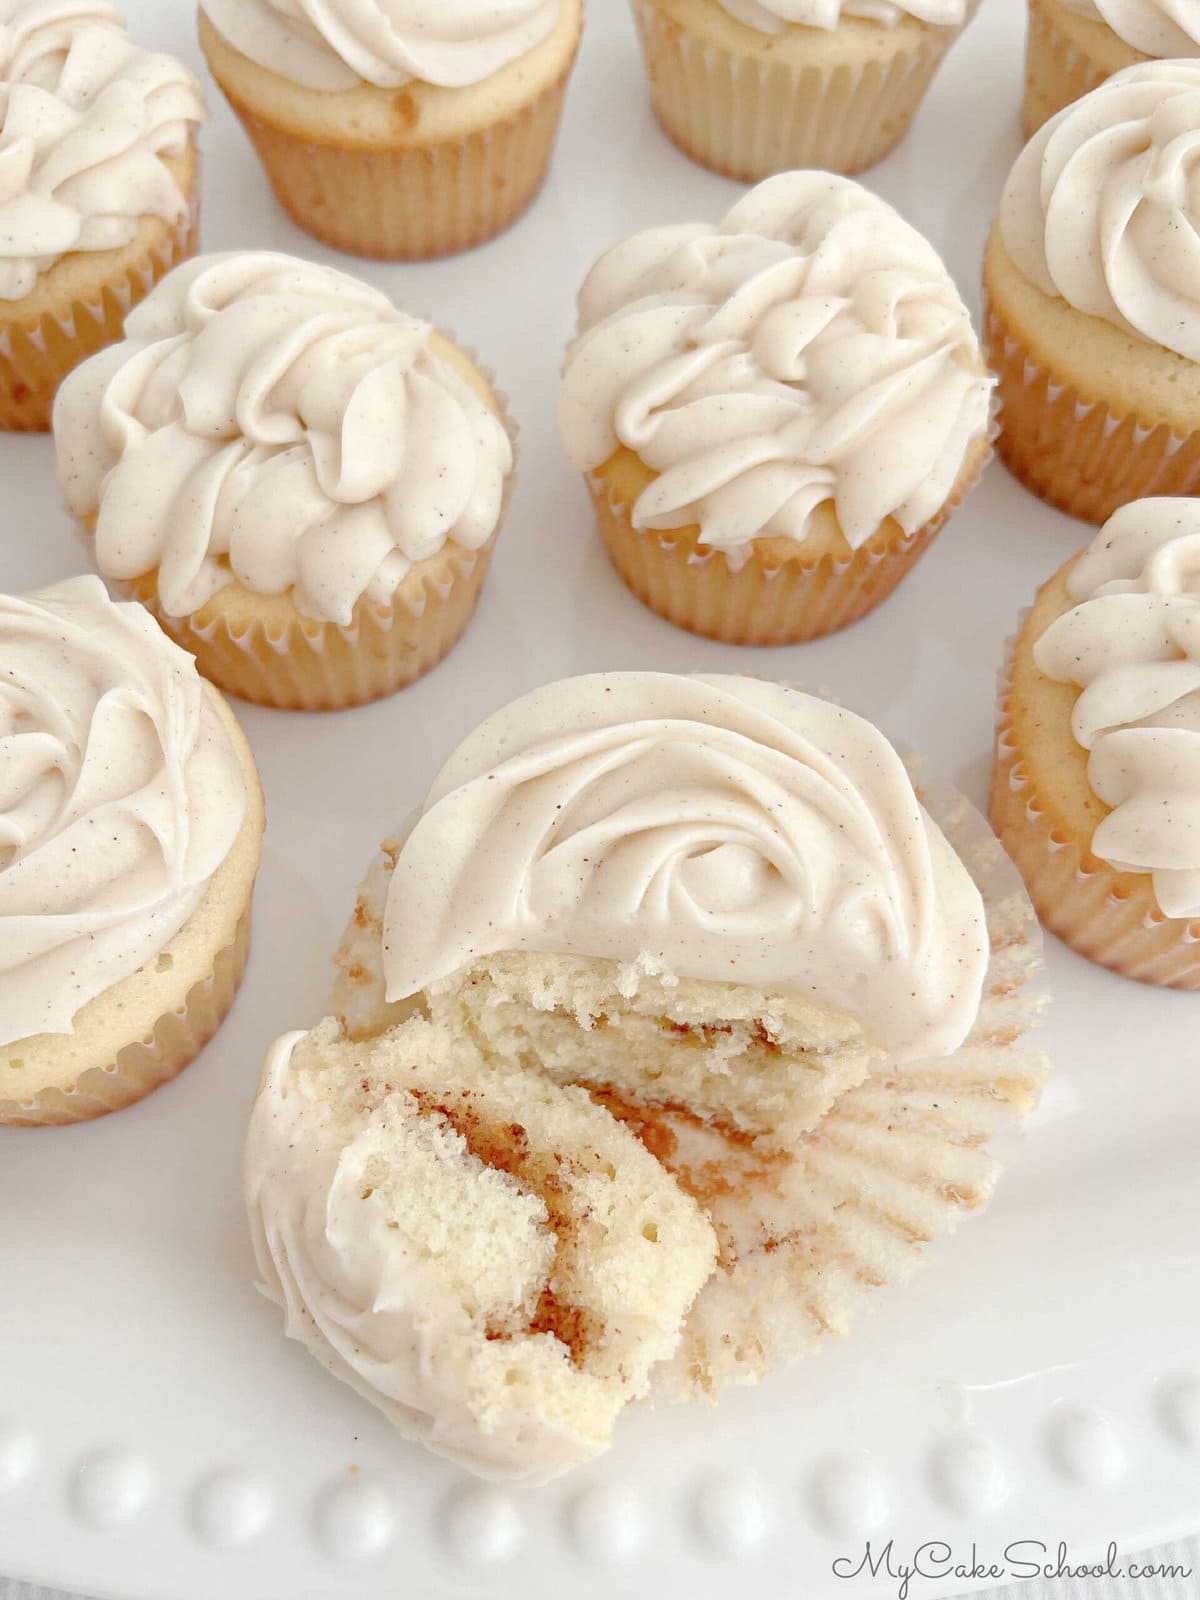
[120,796]
[1160,28]
[85,120]
[336,44]
[705,827]
[1103,205]
[1132,644]
[810,350]
[774,16]
[277,423]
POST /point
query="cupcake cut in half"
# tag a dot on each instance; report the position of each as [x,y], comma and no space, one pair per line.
[301,482]
[1096,781]
[776,414]
[400,132]
[99,188]
[1074,45]
[1093,297]
[753,87]
[130,827]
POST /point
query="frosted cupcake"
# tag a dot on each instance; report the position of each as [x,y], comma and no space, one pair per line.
[130,824]
[1093,304]
[301,482]
[752,87]
[99,188]
[1096,783]
[1074,45]
[777,414]
[397,132]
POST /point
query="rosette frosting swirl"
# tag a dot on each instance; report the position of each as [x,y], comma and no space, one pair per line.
[120,796]
[85,119]
[1132,644]
[809,350]
[1160,28]
[716,827]
[1102,208]
[774,16]
[278,423]
[335,44]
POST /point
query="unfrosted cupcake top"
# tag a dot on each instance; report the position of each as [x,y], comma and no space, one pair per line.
[810,350]
[774,16]
[1103,205]
[713,827]
[337,44]
[120,796]
[1160,28]
[278,423]
[1132,644]
[85,118]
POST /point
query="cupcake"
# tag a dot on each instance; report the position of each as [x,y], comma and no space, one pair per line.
[99,188]
[397,132]
[1096,782]
[130,823]
[777,414]
[301,482]
[1074,45]
[752,87]
[711,892]
[493,1261]
[1093,306]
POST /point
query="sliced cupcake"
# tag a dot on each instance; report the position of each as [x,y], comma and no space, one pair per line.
[753,87]
[400,132]
[1093,298]
[1096,782]
[99,188]
[491,1260]
[301,482]
[1074,45]
[130,826]
[776,414]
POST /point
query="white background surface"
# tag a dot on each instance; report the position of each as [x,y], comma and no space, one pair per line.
[1040,1380]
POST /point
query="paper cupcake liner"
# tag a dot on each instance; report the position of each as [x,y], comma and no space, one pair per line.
[37,353]
[1110,917]
[761,602]
[748,118]
[412,202]
[1073,450]
[1058,72]
[144,1065]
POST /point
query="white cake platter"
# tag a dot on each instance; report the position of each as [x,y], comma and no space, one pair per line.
[1038,1382]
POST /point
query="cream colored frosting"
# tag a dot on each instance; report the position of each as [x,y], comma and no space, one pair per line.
[85,117]
[774,16]
[1161,28]
[335,44]
[279,423]
[120,796]
[714,827]
[810,349]
[1103,205]
[1132,644]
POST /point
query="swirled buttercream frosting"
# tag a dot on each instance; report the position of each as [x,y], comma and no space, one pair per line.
[1102,208]
[1132,645]
[335,44]
[809,350]
[85,119]
[713,827]
[1160,28]
[277,423]
[774,16]
[120,796]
